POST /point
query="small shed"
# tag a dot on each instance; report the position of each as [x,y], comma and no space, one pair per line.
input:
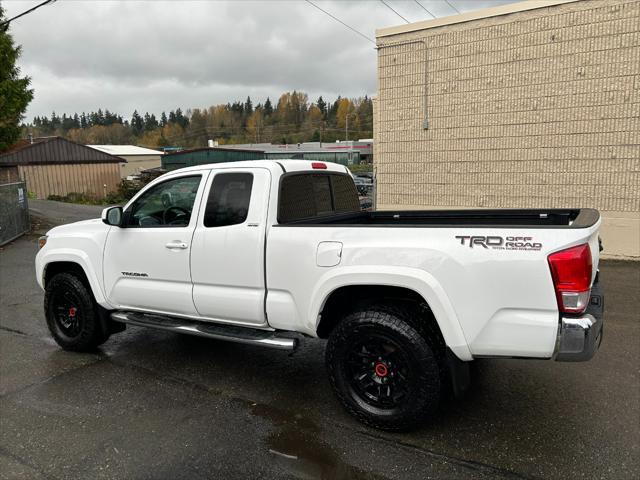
[56,166]
[135,159]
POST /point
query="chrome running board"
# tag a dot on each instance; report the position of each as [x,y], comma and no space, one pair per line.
[230,333]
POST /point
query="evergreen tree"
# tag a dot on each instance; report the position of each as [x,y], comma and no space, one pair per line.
[110,118]
[268,108]
[163,119]
[322,105]
[55,121]
[46,125]
[150,122]
[333,110]
[248,107]
[137,123]
[15,93]
[237,107]
[181,119]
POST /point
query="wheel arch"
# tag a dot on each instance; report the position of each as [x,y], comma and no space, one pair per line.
[346,289]
[55,263]
[53,268]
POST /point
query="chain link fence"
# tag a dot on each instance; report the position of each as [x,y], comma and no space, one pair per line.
[14,211]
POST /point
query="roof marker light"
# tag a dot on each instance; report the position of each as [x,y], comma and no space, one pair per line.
[319,166]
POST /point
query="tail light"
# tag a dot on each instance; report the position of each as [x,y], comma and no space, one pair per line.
[571,271]
[319,166]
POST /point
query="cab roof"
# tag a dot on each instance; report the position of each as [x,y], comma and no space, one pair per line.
[277,166]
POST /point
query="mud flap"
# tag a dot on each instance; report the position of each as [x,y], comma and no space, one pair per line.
[108,326]
[459,374]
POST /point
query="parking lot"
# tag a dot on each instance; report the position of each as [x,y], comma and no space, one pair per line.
[151,404]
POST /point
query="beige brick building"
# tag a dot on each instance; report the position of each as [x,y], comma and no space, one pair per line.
[533,104]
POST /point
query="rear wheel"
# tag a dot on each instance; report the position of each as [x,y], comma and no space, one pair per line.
[72,314]
[383,370]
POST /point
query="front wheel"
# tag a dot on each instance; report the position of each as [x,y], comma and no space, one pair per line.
[383,370]
[72,314]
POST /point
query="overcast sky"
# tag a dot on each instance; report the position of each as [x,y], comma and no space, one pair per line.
[160,55]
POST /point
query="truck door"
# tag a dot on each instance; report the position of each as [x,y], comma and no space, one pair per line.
[146,260]
[227,260]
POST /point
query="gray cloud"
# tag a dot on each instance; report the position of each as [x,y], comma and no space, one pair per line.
[157,55]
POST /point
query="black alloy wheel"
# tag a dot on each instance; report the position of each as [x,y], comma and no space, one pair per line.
[383,370]
[72,315]
[66,313]
[379,371]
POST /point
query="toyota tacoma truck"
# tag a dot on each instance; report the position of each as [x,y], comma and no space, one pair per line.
[271,252]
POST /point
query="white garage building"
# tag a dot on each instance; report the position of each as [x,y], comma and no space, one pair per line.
[137,158]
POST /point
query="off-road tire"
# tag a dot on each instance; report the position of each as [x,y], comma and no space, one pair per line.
[89,332]
[422,351]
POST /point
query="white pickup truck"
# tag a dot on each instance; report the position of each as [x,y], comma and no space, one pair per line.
[268,252]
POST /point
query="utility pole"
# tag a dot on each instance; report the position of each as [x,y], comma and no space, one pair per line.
[346,127]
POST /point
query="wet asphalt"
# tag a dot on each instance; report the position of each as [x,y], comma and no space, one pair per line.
[157,405]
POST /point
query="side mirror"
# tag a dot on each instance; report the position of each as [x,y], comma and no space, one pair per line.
[112,216]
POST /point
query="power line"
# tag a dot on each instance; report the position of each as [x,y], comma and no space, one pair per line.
[449,3]
[425,8]
[389,7]
[7,22]
[340,21]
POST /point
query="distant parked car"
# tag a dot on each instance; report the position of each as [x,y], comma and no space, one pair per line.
[363,184]
[365,175]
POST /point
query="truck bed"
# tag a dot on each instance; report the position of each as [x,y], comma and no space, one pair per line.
[530,218]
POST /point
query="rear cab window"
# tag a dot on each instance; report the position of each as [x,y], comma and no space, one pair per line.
[312,195]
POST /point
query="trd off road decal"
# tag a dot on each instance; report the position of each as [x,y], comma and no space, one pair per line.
[499,243]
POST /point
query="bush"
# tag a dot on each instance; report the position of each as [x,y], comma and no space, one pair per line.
[360,168]
[76,197]
[125,191]
[120,196]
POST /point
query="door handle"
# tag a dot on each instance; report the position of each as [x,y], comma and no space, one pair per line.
[180,245]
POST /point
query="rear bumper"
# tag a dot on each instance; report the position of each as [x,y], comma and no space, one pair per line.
[579,337]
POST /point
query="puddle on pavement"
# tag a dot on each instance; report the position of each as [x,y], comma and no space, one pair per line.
[297,447]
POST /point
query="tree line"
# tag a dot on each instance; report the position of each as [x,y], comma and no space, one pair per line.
[293,119]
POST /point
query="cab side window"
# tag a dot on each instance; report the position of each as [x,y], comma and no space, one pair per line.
[229,198]
[168,204]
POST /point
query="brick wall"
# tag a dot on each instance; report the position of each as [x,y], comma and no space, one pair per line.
[537,108]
